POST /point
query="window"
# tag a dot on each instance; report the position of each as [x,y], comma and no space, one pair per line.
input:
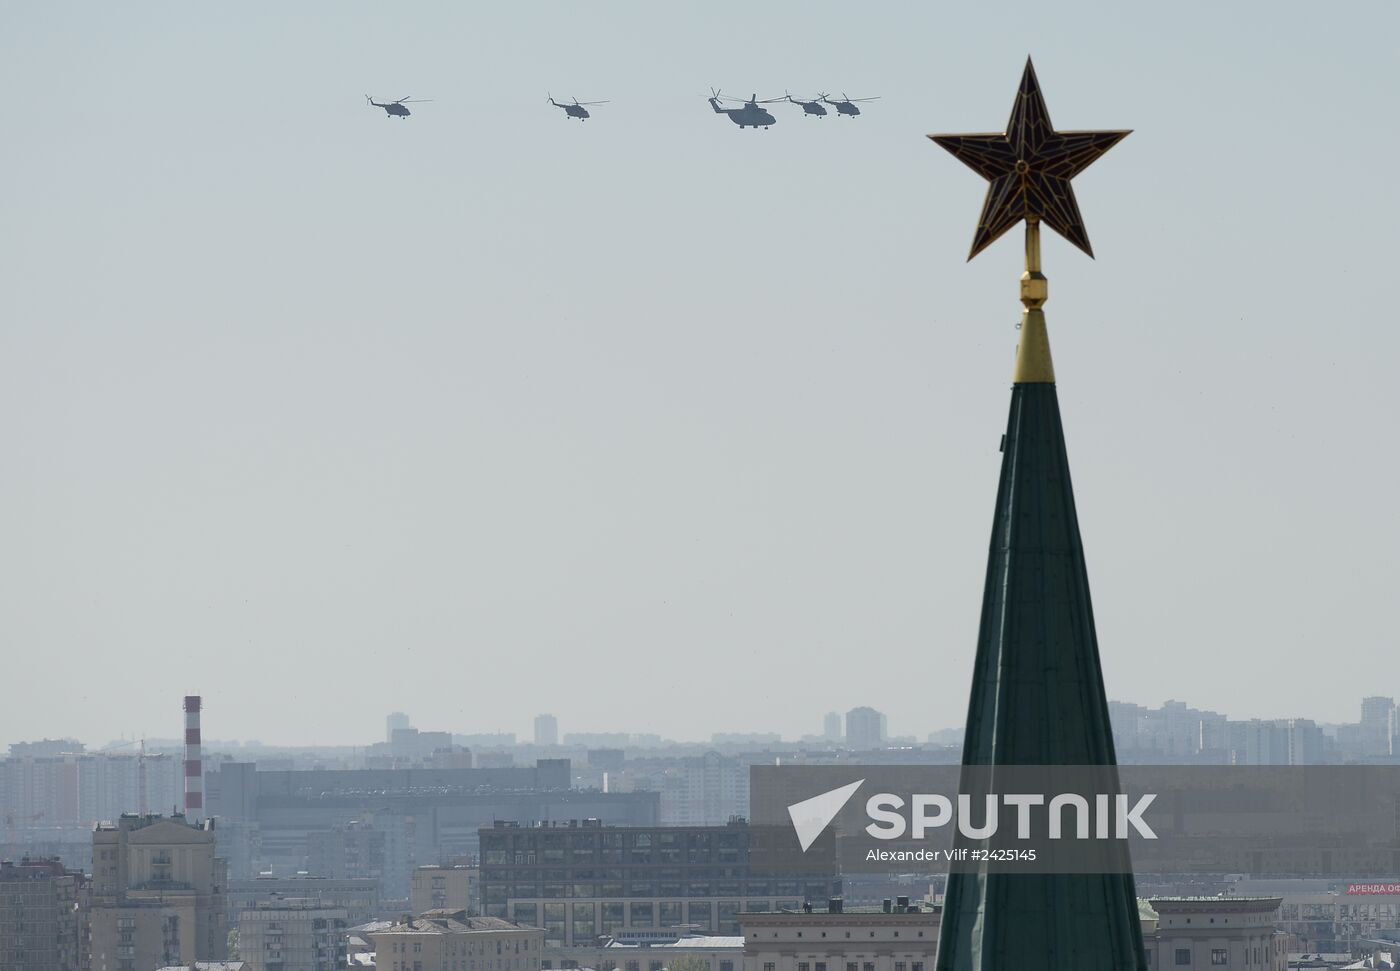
[1218,955]
[803,966]
[769,966]
[899,966]
[1183,956]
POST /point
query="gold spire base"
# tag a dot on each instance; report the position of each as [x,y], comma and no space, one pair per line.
[1033,363]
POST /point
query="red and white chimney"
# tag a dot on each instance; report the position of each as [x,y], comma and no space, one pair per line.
[194,762]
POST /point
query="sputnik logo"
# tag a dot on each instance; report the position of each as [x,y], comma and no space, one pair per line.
[811,816]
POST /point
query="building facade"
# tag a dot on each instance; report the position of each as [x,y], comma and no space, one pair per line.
[584,880]
[292,935]
[157,894]
[865,729]
[455,941]
[546,730]
[448,888]
[1214,934]
[830,938]
[43,917]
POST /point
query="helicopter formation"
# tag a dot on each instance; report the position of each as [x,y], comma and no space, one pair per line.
[750,113]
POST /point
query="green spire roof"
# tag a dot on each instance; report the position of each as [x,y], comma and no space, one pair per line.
[1038,699]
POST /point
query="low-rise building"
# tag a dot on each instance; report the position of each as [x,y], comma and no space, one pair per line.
[442,940]
[1219,933]
[899,937]
[651,951]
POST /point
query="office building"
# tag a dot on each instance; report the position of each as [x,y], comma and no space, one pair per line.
[583,879]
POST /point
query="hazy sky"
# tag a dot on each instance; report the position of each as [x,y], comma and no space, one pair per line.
[658,424]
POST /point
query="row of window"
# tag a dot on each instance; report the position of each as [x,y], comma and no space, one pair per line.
[1220,956]
[478,947]
[496,893]
[850,966]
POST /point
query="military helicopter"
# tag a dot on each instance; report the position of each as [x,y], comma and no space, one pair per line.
[847,106]
[750,115]
[396,108]
[577,109]
[813,107]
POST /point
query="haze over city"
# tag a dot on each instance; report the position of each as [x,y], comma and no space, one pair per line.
[485,412]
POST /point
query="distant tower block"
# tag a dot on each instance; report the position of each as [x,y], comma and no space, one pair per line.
[194,761]
[546,730]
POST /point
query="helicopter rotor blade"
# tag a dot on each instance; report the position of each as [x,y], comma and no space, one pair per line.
[859,100]
[586,103]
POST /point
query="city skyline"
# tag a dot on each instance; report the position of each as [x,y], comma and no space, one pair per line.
[301,393]
[582,736]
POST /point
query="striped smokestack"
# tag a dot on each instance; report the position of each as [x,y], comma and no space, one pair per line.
[194,762]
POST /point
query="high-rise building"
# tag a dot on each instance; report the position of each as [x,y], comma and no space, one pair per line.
[831,726]
[865,729]
[346,851]
[546,730]
[295,934]
[157,894]
[1377,723]
[43,917]
[397,721]
[705,790]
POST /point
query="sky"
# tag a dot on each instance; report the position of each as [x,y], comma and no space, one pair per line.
[653,423]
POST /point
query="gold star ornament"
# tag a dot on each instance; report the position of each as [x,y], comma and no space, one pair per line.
[1029,167]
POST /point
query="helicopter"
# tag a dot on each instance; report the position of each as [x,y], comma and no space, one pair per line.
[577,109]
[813,107]
[396,108]
[750,115]
[847,105]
